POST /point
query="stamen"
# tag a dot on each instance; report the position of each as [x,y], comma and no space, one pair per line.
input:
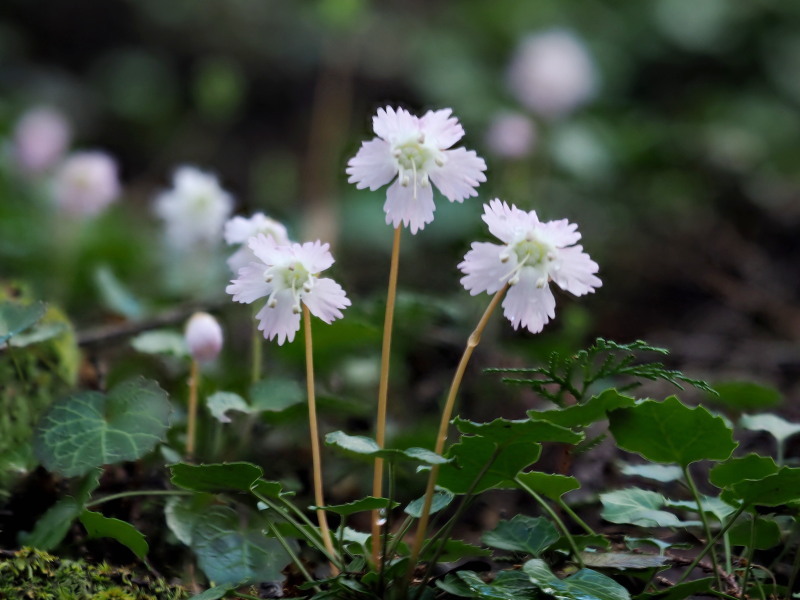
[421,138]
[439,160]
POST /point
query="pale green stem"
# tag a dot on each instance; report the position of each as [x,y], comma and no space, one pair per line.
[710,544]
[383,392]
[191,423]
[131,494]
[704,518]
[566,508]
[255,369]
[292,555]
[543,503]
[316,458]
[441,438]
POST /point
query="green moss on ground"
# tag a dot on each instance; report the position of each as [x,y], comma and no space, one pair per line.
[36,575]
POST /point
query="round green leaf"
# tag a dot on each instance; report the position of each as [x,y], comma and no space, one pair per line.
[774,490]
[91,429]
[531,535]
[752,466]
[638,507]
[583,585]
[215,478]
[589,412]
[126,534]
[761,534]
[552,486]
[670,432]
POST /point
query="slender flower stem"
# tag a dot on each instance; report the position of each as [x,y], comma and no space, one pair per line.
[566,508]
[552,514]
[441,438]
[131,494]
[257,341]
[688,477]
[710,544]
[383,391]
[300,566]
[191,424]
[315,451]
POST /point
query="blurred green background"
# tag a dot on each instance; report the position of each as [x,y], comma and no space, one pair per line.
[678,161]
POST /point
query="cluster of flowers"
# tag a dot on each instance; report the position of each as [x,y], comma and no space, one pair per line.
[413,155]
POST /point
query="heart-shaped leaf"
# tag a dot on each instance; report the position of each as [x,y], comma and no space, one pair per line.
[670,432]
[774,490]
[126,534]
[531,535]
[583,585]
[589,412]
[90,429]
[16,318]
[230,549]
[752,466]
[552,486]
[216,478]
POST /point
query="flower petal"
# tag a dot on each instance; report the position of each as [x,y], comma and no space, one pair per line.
[402,207]
[574,271]
[373,165]
[390,124]
[326,299]
[483,270]
[561,233]
[440,128]
[249,286]
[528,305]
[281,321]
[266,249]
[315,256]
[505,221]
[461,173]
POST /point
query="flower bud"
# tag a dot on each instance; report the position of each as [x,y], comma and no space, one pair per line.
[86,183]
[203,337]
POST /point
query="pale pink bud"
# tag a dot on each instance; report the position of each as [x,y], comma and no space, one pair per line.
[511,135]
[203,337]
[86,183]
[40,139]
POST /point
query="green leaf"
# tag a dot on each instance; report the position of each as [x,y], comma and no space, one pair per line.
[275,395]
[531,535]
[779,428]
[216,478]
[638,507]
[680,591]
[269,489]
[502,431]
[126,534]
[583,585]
[774,490]
[116,296]
[662,473]
[16,318]
[362,505]
[161,341]
[41,333]
[746,395]
[623,560]
[488,591]
[231,550]
[90,429]
[735,470]
[215,593]
[183,513]
[456,550]
[712,505]
[591,411]
[441,499]
[364,447]
[53,526]
[221,402]
[670,432]
[473,453]
[767,533]
[552,486]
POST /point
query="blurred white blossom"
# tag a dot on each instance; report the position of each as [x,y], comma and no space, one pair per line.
[203,337]
[552,73]
[511,135]
[41,137]
[86,183]
[194,210]
[240,229]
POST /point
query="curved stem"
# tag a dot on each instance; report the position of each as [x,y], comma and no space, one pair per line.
[191,423]
[688,476]
[383,391]
[441,438]
[315,451]
[131,494]
[552,514]
[710,543]
[298,563]
[566,508]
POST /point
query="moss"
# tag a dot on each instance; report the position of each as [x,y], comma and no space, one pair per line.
[29,573]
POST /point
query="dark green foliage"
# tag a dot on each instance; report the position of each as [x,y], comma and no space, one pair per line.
[574,374]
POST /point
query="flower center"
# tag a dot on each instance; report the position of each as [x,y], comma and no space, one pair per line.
[530,252]
[413,157]
[294,277]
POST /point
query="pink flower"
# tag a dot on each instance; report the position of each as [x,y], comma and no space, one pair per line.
[531,256]
[86,183]
[415,152]
[239,230]
[552,73]
[287,275]
[511,135]
[203,337]
[40,139]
